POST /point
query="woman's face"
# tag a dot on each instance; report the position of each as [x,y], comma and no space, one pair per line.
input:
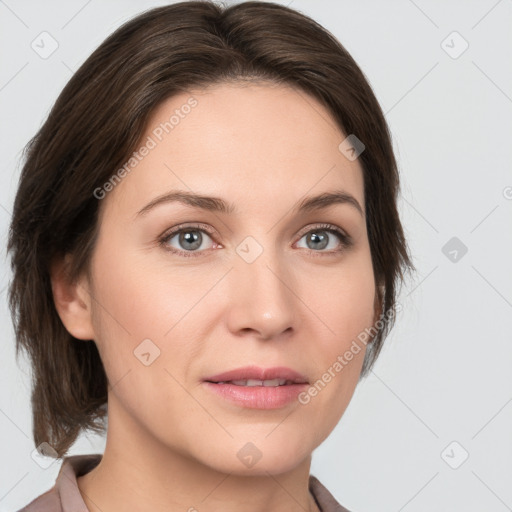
[264,285]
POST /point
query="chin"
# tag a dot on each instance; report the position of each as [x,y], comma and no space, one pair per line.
[261,455]
[270,464]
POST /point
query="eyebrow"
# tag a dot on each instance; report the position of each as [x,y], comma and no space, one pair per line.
[216,204]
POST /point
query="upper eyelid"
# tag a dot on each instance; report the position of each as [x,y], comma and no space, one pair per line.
[323,225]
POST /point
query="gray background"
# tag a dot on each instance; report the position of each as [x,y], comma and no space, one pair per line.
[442,388]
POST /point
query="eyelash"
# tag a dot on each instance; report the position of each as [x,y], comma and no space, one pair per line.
[345,240]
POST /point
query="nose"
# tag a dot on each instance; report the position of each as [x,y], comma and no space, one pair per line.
[262,300]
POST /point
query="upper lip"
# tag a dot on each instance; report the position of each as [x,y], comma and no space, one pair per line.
[257,373]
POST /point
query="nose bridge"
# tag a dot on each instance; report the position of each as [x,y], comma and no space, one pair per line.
[263,298]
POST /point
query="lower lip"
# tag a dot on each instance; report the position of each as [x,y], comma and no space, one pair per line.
[258,397]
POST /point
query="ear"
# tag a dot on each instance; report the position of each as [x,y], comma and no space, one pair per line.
[72,300]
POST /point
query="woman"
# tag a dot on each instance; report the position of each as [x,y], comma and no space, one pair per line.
[206,247]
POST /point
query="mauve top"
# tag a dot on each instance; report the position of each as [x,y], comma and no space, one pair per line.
[65,496]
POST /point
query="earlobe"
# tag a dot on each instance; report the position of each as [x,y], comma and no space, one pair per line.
[72,300]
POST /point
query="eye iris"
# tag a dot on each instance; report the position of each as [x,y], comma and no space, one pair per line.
[319,241]
[191,237]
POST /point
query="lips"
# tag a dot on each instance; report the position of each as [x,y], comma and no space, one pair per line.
[256,376]
[258,388]
[269,383]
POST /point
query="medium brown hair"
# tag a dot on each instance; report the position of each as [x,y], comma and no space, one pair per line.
[97,122]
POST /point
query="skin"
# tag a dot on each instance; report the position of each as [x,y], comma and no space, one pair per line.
[171,444]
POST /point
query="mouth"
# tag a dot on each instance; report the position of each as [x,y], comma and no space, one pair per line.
[269,383]
[258,388]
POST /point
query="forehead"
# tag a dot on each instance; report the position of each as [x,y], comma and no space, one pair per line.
[245,142]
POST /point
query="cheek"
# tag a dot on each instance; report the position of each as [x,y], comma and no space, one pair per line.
[343,298]
[134,299]
[139,298]
[344,302]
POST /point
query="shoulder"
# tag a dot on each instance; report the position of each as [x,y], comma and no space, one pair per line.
[65,496]
[325,500]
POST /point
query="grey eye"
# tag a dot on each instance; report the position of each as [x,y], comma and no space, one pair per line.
[188,239]
[319,239]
